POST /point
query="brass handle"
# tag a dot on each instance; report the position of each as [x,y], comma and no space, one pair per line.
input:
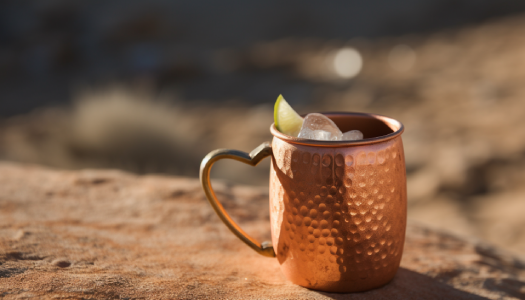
[264,150]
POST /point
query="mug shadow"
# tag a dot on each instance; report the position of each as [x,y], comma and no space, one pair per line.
[408,284]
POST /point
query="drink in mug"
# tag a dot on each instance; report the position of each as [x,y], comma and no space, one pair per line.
[337,208]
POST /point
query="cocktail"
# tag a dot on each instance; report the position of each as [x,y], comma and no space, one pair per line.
[337,198]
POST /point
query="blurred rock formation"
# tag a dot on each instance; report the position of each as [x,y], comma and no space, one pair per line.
[459,92]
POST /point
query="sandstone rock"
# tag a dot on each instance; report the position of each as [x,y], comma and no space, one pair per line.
[109,234]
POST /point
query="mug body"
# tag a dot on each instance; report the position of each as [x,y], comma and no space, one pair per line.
[338,209]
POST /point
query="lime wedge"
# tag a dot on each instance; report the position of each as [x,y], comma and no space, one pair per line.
[286,119]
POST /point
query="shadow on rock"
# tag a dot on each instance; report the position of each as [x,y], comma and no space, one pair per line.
[409,285]
[513,287]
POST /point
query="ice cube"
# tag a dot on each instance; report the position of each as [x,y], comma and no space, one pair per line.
[322,135]
[306,133]
[318,122]
[352,135]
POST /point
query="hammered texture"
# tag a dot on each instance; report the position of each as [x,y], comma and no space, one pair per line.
[338,214]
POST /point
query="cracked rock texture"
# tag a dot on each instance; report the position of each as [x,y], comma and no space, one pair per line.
[109,234]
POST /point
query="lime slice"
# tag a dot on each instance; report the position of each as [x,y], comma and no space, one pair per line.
[286,119]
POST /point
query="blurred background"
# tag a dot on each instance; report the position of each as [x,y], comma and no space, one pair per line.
[152,86]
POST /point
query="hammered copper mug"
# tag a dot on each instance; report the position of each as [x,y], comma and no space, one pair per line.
[337,208]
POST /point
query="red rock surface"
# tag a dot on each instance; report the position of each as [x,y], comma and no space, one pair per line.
[109,234]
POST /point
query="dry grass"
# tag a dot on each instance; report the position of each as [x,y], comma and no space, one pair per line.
[134,131]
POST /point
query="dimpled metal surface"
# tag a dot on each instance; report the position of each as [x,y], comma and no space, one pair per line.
[338,214]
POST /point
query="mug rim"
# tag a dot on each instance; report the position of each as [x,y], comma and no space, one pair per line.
[396,126]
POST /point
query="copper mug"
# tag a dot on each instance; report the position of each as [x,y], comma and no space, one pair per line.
[337,208]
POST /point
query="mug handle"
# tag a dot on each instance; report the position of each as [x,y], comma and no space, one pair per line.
[253,159]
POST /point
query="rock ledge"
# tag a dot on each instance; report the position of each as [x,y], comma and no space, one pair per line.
[107,234]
